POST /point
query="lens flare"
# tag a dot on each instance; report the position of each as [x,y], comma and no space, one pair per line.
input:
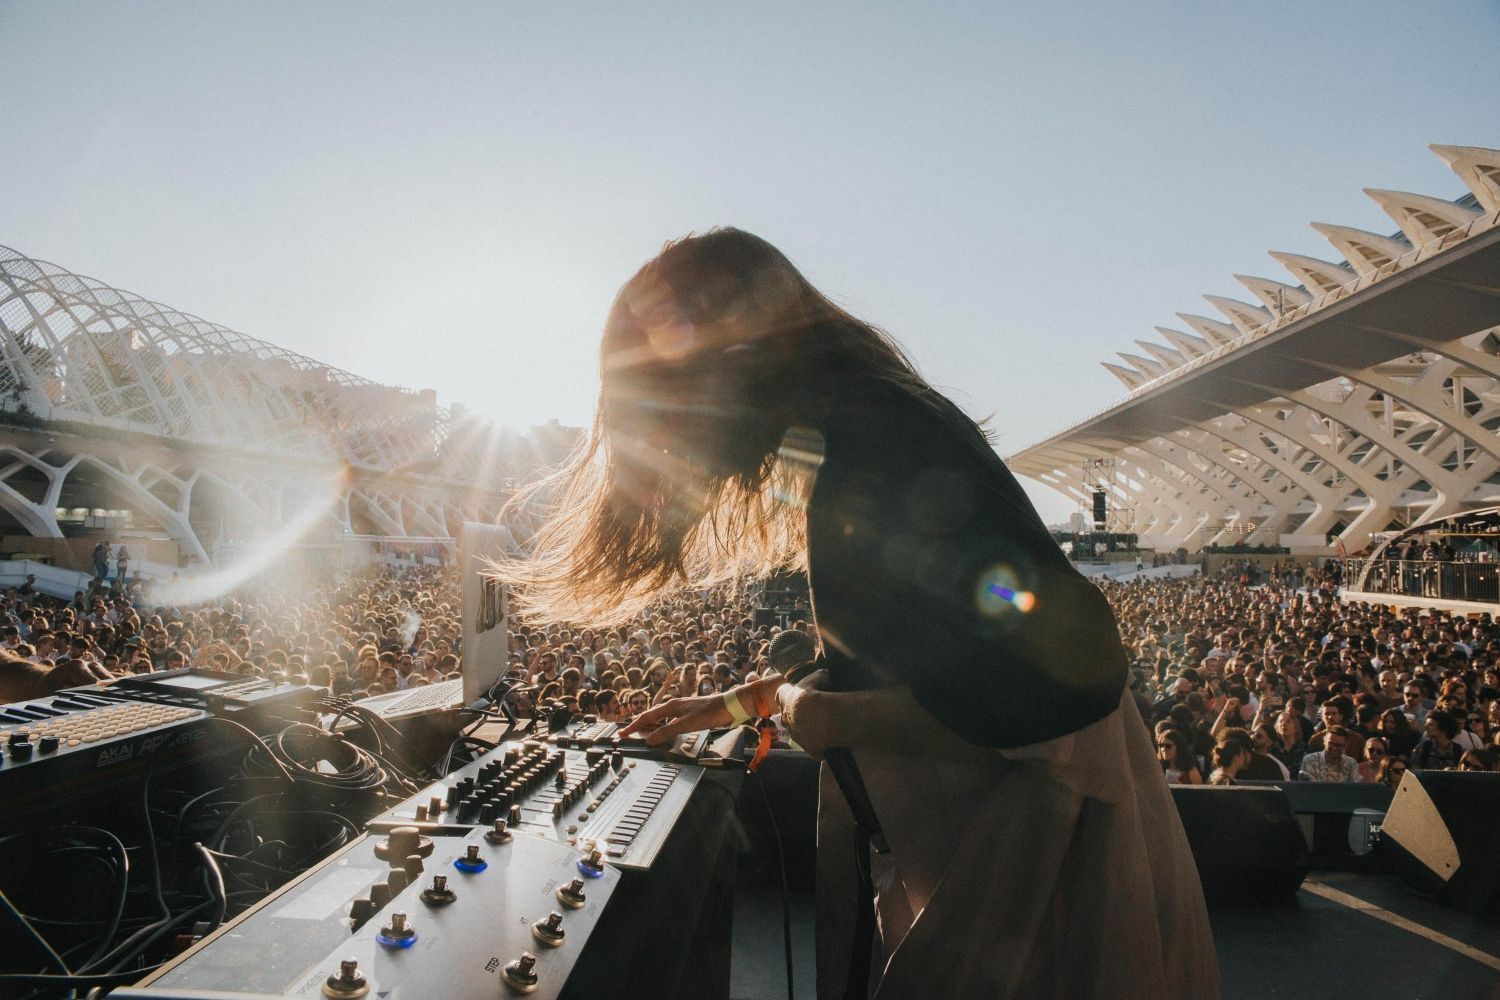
[1000,594]
[798,459]
[269,554]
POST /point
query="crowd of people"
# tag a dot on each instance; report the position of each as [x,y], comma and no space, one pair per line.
[1270,682]
[382,630]
[379,630]
[1240,680]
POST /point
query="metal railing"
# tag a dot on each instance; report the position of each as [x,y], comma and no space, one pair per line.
[1447,581]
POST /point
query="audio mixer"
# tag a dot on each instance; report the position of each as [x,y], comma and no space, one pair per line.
[625,806]
[406,916]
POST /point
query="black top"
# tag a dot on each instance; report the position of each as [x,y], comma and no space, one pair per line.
[929,564]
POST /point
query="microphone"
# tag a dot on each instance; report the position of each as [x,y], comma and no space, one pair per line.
[789,651]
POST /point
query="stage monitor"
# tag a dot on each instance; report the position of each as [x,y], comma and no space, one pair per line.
[485,614]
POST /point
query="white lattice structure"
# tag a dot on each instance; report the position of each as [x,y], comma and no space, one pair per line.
[1362,396]
[156,407]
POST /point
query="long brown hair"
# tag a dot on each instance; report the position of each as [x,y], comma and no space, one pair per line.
[712,353]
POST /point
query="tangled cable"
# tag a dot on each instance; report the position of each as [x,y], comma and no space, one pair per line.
[309,754]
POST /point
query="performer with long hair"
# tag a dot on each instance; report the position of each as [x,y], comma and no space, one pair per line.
[746,425]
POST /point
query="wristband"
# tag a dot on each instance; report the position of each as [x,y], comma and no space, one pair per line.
[763,707]
[736,709]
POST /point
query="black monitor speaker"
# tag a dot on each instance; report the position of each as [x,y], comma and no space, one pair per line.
[1246,842]
[1101,508]
[1442,836]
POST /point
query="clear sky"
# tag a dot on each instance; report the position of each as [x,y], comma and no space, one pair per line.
[447,195]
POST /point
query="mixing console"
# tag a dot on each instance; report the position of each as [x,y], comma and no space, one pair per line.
[622,805]
[408,916]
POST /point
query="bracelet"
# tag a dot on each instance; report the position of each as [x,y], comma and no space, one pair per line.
[736,709]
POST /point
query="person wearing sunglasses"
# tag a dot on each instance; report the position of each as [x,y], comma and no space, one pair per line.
[1483,759]
[1391,771]
[1414,703]
[1374,752]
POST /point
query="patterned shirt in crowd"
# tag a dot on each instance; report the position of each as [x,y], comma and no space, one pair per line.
[1317,767]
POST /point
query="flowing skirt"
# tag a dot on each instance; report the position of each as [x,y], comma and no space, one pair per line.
[1058,870]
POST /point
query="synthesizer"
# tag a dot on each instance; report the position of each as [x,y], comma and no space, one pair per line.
[406,916]
[251,701]
[57,747]
[624,806]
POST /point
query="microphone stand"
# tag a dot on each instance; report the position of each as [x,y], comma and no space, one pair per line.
[867,834]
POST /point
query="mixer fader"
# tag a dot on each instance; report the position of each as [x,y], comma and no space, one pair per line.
[623,806]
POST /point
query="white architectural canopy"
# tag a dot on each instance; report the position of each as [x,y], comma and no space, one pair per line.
[1360,397]
[76,349]
[209,435]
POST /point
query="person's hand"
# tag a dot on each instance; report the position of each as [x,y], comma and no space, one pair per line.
[676,716]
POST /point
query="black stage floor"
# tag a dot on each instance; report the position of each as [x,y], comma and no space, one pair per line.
[1347,936]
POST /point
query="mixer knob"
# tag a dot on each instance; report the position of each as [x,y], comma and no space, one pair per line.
[401,843]
[453,795]
[421,814]
[520,975]
[397,880]
[561,778]
[19,736]
[467,808]
[20,751]
[413,867]
[346,984]
[47,744]
[380,894]
[593,755]
[515,814]
[438,894]
[549,930]
[399,933]
[499,834]
[435,806]
[592,864]
[471,861]
[571,895]
[360,910]
[617,760]
[487,813]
